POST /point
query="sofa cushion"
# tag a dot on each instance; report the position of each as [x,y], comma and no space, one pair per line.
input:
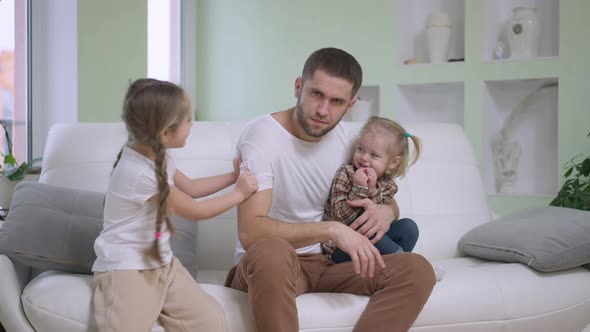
[487,296]
[54,228]
[73,312]
[545,238]
[49,227]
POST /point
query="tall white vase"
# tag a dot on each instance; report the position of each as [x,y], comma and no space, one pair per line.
[438,35]
[523,33]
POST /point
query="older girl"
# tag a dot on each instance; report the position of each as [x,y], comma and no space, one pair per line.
[138,279]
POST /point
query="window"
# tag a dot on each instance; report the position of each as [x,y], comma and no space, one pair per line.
[172,43]
[164,40]
[13,79]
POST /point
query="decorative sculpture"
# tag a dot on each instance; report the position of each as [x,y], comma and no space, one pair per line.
[505,151]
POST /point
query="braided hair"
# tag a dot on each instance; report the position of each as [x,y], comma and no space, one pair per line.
[150,107]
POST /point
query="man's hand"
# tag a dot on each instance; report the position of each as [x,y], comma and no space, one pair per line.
[363,253]
[360,178]
[375,221]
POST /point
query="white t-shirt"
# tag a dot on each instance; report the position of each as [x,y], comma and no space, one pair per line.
[129,219]
[300,173]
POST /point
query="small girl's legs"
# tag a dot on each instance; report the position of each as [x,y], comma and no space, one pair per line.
[187,307]
[404,233]
[127,300]
[401,237]
[132,300]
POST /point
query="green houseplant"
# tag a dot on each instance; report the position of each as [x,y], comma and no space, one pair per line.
[10,168]
[575,192]
[11,172]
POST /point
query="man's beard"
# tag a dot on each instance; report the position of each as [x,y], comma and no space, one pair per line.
[307,127]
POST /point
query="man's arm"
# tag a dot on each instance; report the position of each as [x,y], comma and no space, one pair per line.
[254,224]
[379,214]
[376,219]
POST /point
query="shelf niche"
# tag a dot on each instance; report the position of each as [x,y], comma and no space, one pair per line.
[497,15]
[435,102]
[521,113]
[367,104]
[410,30]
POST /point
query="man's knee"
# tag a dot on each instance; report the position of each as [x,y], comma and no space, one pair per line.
[422,273]
[415,268]
[271,254]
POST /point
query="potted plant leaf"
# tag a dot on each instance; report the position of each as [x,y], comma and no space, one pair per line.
[575,192]
[11,171]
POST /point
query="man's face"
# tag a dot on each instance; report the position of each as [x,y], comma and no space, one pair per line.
[322,101]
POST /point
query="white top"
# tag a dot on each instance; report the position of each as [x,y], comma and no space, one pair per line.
[129,220]
[299,172]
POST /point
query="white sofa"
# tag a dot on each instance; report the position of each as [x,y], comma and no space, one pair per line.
[443,193]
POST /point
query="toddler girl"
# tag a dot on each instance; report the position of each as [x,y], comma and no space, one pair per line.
[138,279]
[381,154]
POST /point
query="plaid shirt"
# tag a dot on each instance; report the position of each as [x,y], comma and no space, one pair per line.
[344,189]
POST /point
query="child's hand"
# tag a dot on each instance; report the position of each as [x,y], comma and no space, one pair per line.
[247,184]
[237,162]
[360,177]
[371,178]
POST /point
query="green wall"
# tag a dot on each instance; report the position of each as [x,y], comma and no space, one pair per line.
[250,52]
[112,50]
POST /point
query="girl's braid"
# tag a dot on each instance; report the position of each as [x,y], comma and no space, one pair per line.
[164,191]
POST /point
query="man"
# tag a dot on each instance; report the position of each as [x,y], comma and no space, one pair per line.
[294,155]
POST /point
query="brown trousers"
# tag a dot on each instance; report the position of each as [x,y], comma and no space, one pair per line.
[132,300]
[273,275]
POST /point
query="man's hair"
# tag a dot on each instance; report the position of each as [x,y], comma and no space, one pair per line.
[335,62]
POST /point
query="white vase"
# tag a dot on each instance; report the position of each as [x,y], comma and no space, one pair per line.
[438,35]
[523,33]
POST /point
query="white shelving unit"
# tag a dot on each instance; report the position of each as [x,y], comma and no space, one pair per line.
[436,94]
[497,14]
[436,102]
[532,124]
[367,104]
[410,29]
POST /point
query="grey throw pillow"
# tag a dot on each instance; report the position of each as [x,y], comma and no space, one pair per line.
[545,238]
[183,244]
[54,228]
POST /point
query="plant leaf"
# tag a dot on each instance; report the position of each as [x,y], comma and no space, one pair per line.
[568,172]
[17,173]
[585,168]
[9,159]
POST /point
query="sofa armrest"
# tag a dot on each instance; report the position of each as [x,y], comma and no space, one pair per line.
[13,279]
